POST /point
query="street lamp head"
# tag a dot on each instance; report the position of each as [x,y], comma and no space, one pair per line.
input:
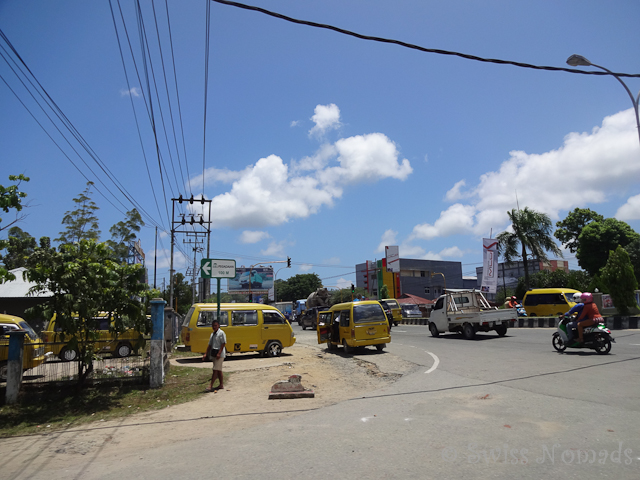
[578,60]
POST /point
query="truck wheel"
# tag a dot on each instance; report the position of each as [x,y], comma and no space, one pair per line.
[434,330]
[468,332]
[501,330]
[347,348]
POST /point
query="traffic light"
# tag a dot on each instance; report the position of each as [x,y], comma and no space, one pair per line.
[288,262]
[353,288]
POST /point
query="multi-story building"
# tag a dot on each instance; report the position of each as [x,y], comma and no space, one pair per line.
[423,278]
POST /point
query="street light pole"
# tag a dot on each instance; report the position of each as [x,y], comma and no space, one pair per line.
[578,60]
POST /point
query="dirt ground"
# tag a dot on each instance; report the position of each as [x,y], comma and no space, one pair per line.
[333,376]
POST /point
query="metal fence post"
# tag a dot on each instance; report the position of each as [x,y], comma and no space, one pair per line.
[157,339]
[14,366]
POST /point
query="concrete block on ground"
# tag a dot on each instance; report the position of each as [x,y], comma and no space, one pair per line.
[291,388]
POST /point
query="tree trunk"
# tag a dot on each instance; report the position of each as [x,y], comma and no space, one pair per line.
[526,267]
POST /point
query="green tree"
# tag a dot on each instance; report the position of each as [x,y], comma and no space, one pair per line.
[633,249]
[597,285]
[344,295]
[124,233]
[20,246]
[531,235]
[570,228]
[10,198]
[85,281]
[384,292]
[82,222]
[618,275]
[598,239]
[182,294]
[579,280]
[299,286]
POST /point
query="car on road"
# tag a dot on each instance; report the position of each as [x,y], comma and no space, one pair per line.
[396,312]
[411,310]
[547,302]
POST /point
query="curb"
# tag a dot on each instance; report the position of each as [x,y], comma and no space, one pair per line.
[613,323]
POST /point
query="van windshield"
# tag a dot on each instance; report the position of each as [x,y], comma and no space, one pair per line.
[368,313]
[27,328]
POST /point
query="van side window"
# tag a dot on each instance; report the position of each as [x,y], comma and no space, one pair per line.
[272,318]
[531,300]
[244,318]
[324,318]
[368,313]
[439,304]
[344,318]
[206,318]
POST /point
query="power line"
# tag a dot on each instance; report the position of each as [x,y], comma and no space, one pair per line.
[417,47]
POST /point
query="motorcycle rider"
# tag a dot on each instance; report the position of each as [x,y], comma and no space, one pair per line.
[590,315]
[577,309]
[513,302]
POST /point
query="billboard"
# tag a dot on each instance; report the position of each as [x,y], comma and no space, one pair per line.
[259,280]
[392,255]
[489,265]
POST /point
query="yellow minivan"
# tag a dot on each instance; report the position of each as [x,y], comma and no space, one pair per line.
[33,352]
[354,324]
[119,345]
[548,302]
[249,327]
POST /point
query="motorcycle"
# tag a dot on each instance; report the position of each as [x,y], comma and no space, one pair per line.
[520,310]
[596,337]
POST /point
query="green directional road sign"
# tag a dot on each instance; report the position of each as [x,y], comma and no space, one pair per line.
[217,268]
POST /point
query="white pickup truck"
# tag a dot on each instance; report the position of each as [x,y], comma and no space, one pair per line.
[468,312]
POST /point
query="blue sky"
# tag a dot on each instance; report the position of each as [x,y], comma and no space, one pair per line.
[321,146]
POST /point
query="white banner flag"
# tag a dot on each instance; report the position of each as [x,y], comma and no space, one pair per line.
[489,265]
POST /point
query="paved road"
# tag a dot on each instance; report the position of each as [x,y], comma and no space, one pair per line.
[489,408]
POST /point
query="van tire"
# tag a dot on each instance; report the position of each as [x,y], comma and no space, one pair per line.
[68,355]
[468,332]
[347,348]
[122,350]
[380,346]
[273,349]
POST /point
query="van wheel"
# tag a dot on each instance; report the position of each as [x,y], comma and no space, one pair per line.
[468,332]
[274,349]
[434,330]
[347,348]
[68,355]
[123,350]
[380,346]
[532,315]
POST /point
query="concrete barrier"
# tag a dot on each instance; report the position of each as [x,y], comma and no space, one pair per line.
[613,323]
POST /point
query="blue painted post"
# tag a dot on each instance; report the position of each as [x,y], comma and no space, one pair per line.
[14,366]
[157,339]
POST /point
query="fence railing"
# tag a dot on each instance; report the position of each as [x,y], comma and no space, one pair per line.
[54,362]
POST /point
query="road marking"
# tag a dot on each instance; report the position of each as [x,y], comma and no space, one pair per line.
[436,362]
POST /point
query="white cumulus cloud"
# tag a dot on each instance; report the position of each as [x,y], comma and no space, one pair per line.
[253,236]
[388,238]
[325,117]
[630,210]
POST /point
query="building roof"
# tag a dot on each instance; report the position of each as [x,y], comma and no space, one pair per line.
[413,299]
[19,288]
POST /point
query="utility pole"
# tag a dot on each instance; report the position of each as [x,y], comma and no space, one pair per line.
[188,222]
[194,271]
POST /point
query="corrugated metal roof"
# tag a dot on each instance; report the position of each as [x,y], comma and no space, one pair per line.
[19,288]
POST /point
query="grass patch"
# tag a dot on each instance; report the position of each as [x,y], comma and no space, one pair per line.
[46,410]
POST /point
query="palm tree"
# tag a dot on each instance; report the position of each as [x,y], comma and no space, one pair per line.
[531,231]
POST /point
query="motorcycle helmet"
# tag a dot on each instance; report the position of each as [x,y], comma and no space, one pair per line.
[513,298]
[577,297]
[587,298]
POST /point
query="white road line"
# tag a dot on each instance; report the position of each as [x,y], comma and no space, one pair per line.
[436,362]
